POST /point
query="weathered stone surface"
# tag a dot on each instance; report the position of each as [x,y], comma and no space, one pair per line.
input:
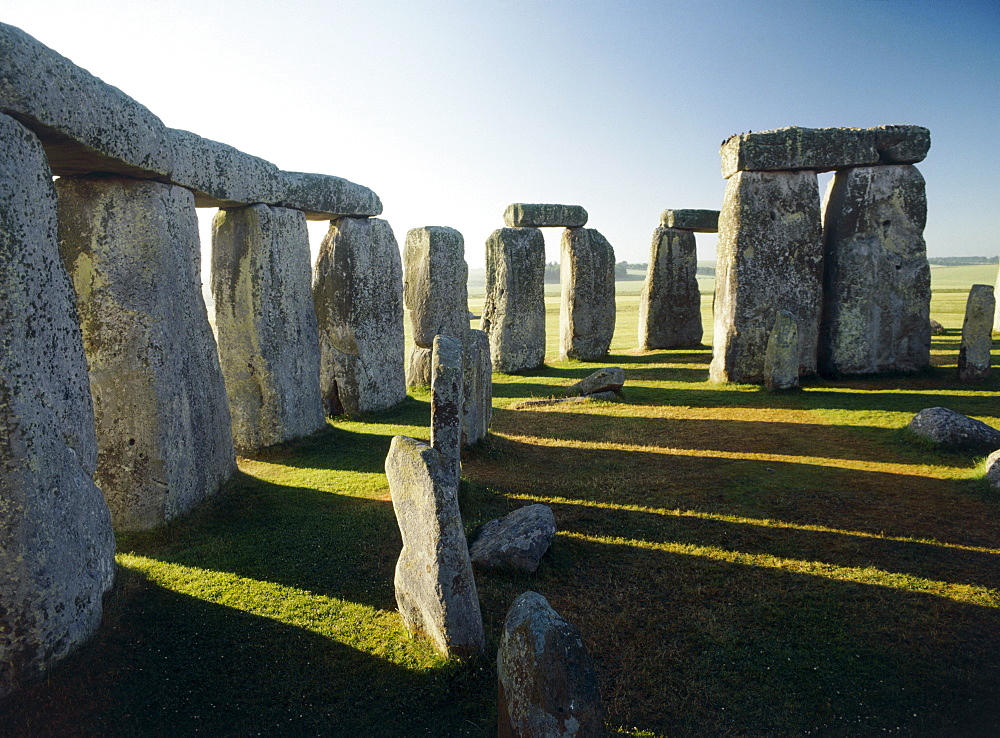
[770,258]
[56,544]
[358,294]
[516,541]
[951,431]
[477,410]
[977,338]
[547,684]
[781,363]
[435,278]
[163,425]
[447,402]
[266,324]
[324,197]
[435,589]
[792,148]
[901,144]
[514,313]
[696,221]
[608,379]
[587,308]
[418,368]
[993,469]
[877,283]
[539,215]
[937,329]
[220,175]
[670,303]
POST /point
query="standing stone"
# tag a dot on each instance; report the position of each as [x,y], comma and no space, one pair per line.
[163,426]
[770,258]
[977,339]
[477,409]
[670,303]
[781,364]
[587,311]
[447,400]
[546,680]
[56,544]
[996,299]
[358,294]
[418,368]
[266,323]
[877,283]
[435,589]
[514,313]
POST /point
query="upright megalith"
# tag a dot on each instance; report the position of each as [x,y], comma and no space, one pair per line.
[358,295]
[996,300]
[447,401]
[514,313]
[877,284]
[266,324]
[56,544]
[670,303]
[781,360]
[477,407]
[977,338]
[587,306]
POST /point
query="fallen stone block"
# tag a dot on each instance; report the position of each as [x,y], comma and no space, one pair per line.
[977,337]
[587,303]
[696,221]
[993,469]
[516,541]
[670,301]
[793,148]
[539,215]
[937,329]
[951,431]
[608,379]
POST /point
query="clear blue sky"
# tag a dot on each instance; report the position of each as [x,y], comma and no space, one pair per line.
[451,110]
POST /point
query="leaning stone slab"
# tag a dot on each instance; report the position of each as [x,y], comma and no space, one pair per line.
[514,313]
[696,221]
[951,431]
[977,338]
[515,541]
[877,283]
[477,409]
[163,424]
[587,304]
[792,148]
[220,175]
[56,544]
[781,364]
[670,302]
[324,197]
[901,144]
[770,258]
[447,401]
[537,215]
[435,289]
[547,684]
[358,294]
[435,588]
[608,379]
[266,324]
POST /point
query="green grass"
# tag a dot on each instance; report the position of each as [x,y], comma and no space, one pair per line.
[738,563]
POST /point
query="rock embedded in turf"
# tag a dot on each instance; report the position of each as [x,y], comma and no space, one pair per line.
[435,277]
[793,148]
[937,329]
[608,379]
[993,469]
[546,679]
[977,337]
[447,398]
[670,302]
[477,407]
[540,215]
[901,144]
[587,298]
[517,541]
[781,364]
[696,221]
[954,432]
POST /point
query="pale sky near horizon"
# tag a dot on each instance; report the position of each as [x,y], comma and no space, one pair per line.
[451,110]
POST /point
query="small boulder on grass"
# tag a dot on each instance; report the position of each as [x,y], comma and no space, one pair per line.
[517,541]
[936,328]
[951,431]
[993,469]
[608,379]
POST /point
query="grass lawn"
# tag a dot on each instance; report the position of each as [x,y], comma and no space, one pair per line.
[738,562]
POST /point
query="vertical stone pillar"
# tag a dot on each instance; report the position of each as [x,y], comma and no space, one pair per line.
[877,283]
[996,299]
[587,306]
[266,324]
[56,544]
[977,338]
[447,396]
[163,427]
[770,258]
[781,364]
[477,410]
[358,294]
[514,313]
[670,303]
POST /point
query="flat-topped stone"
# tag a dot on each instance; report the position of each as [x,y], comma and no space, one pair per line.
[698,221]
[220,175]
[325,197]
[793,148]
[901,144]
[540,215]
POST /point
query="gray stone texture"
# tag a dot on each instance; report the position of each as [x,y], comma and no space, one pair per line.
[56,543]
[670,303]
[220,175]
[792,148]
[514,313]
[877,283]
[954,432]
[608,379]
[435,289]
[324,197]
[358,294]
[547,684]
[516,541]
[696,221]
[447,402]
[539,215]
[477,409]
[587,305]
[937,329]
[993,469]
[770,258]
[266,324]
[418,367]
[163,426]
[977,337]
[901,144]
[781,362]
[435,588]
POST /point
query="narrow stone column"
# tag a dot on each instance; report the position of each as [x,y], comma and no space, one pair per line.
[514,314]
[163,426]
[56,544]
[877,282]
[587,307]
[447,395]
[670,303]
[358,294]
[770,258]
[477,410]
[266,324]
[781,365]
[977,339]
[996,299]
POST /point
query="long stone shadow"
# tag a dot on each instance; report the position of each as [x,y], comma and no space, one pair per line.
[339,449]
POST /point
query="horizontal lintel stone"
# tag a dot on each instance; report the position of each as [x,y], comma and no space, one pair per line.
[794,148]
[539,215]
[699,221]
